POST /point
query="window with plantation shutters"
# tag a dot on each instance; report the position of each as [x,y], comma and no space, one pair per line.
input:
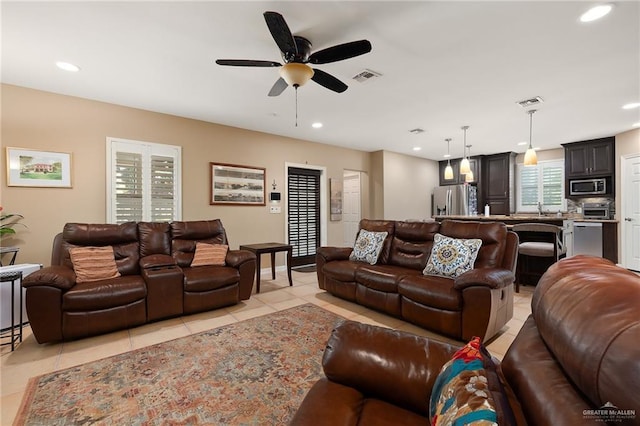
[143,181]
[544,184]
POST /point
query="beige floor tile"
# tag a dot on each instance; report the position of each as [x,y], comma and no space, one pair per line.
[274,296]
[92,348]
[500,344]
[287,304]
[204,321]
[158,332]
[244,305]
[252,313]
[305,290]
[10,406]
[377,318]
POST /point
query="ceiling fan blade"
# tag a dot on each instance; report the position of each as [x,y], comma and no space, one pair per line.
[278,87]
[328,81]
[280,32]
[340,52]
[247,63]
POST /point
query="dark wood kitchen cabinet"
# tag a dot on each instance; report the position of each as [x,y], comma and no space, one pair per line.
[592,158]
[474,164]
[498,182]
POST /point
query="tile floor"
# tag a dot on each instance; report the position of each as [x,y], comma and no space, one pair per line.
[32,359]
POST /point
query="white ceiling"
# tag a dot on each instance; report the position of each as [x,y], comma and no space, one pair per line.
[443,65]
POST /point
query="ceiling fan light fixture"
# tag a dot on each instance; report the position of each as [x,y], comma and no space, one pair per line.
[296,74]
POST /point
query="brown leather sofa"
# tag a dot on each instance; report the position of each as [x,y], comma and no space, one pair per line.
[155,279]
[476,303]
[575,357]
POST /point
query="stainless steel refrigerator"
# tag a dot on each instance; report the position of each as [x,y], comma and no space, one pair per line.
[459,200]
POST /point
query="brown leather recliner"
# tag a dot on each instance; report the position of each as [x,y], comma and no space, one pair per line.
[576,360]
[476,303]
[156,280]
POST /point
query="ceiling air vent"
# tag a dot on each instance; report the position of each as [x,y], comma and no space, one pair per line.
[530,102]
[366,75]
[416,131]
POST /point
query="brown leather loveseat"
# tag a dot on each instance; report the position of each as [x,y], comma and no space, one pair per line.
[155,278]
[478,302]
[575,361]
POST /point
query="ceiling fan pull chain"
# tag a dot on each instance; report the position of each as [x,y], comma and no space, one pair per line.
[296,87]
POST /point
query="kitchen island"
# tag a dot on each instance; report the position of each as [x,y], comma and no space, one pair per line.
[566,221]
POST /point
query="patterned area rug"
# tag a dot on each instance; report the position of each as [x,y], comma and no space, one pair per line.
[254,372]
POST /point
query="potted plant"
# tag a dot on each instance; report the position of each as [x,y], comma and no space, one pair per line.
[8,221]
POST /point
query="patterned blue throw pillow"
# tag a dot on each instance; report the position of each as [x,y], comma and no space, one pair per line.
[451,257]
[368,246]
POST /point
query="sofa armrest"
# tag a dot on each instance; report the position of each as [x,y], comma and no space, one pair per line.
[235,258]
[334,253]
[61,277]
[488,277]
[390,365]
[157,261]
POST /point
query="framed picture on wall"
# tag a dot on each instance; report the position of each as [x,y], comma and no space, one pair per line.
[46,169]
[233,184]
[336,199]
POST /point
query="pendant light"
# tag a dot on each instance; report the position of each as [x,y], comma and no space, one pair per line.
[448,171]
[465,167]
[469,176]
[530,157]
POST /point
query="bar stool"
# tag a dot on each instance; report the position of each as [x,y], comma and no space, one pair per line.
[538,240]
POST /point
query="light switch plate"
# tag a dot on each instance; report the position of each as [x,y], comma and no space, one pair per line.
[275,209]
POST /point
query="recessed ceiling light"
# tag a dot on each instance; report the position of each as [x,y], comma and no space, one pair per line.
[636,124]
[416,148]
[316,125]
[631,105]
[596,12]
[523,143]
[67,66]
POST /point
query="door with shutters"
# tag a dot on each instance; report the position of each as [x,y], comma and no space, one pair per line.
[303,209]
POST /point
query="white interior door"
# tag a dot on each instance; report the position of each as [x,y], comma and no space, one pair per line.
[631,212]
[351,205]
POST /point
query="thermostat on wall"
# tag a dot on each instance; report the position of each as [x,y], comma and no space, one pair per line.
[274,196]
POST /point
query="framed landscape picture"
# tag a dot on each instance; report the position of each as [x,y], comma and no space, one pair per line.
[28,167]
[232,184]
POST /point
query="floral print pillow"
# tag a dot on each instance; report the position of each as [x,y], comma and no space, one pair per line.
[368,246]
[451,257]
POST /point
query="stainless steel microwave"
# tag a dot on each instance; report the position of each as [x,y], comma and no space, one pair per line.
[588,187]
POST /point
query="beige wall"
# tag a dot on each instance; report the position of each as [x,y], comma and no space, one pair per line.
[46,121]
[408,185]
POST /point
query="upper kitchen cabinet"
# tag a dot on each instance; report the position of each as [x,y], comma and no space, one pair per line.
[498,182]
[593,158]
[474,164]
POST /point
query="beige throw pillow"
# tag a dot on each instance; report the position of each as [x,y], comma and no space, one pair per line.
[210,254]
[93,263]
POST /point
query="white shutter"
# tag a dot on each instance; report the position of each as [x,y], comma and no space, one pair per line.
[544,184]
[128,187]
[143,181]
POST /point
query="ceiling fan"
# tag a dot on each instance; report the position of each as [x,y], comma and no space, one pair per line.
[296,53]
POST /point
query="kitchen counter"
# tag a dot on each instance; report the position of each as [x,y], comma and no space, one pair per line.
[519,218]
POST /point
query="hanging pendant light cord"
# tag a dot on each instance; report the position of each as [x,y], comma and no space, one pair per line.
[530,127]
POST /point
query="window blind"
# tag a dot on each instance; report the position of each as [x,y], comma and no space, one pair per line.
[304,214]
[544,184]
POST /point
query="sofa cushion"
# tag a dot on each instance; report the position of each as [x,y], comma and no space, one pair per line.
[387,226]
[412,243]
[105,294]
[492,234]
[368,246]
[341,270]
[451,257]
[206,278]
[93,263]
[468,390]
[209,254]
[434,291]
[383,278]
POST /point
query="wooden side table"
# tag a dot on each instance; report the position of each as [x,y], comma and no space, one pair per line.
[272,248]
